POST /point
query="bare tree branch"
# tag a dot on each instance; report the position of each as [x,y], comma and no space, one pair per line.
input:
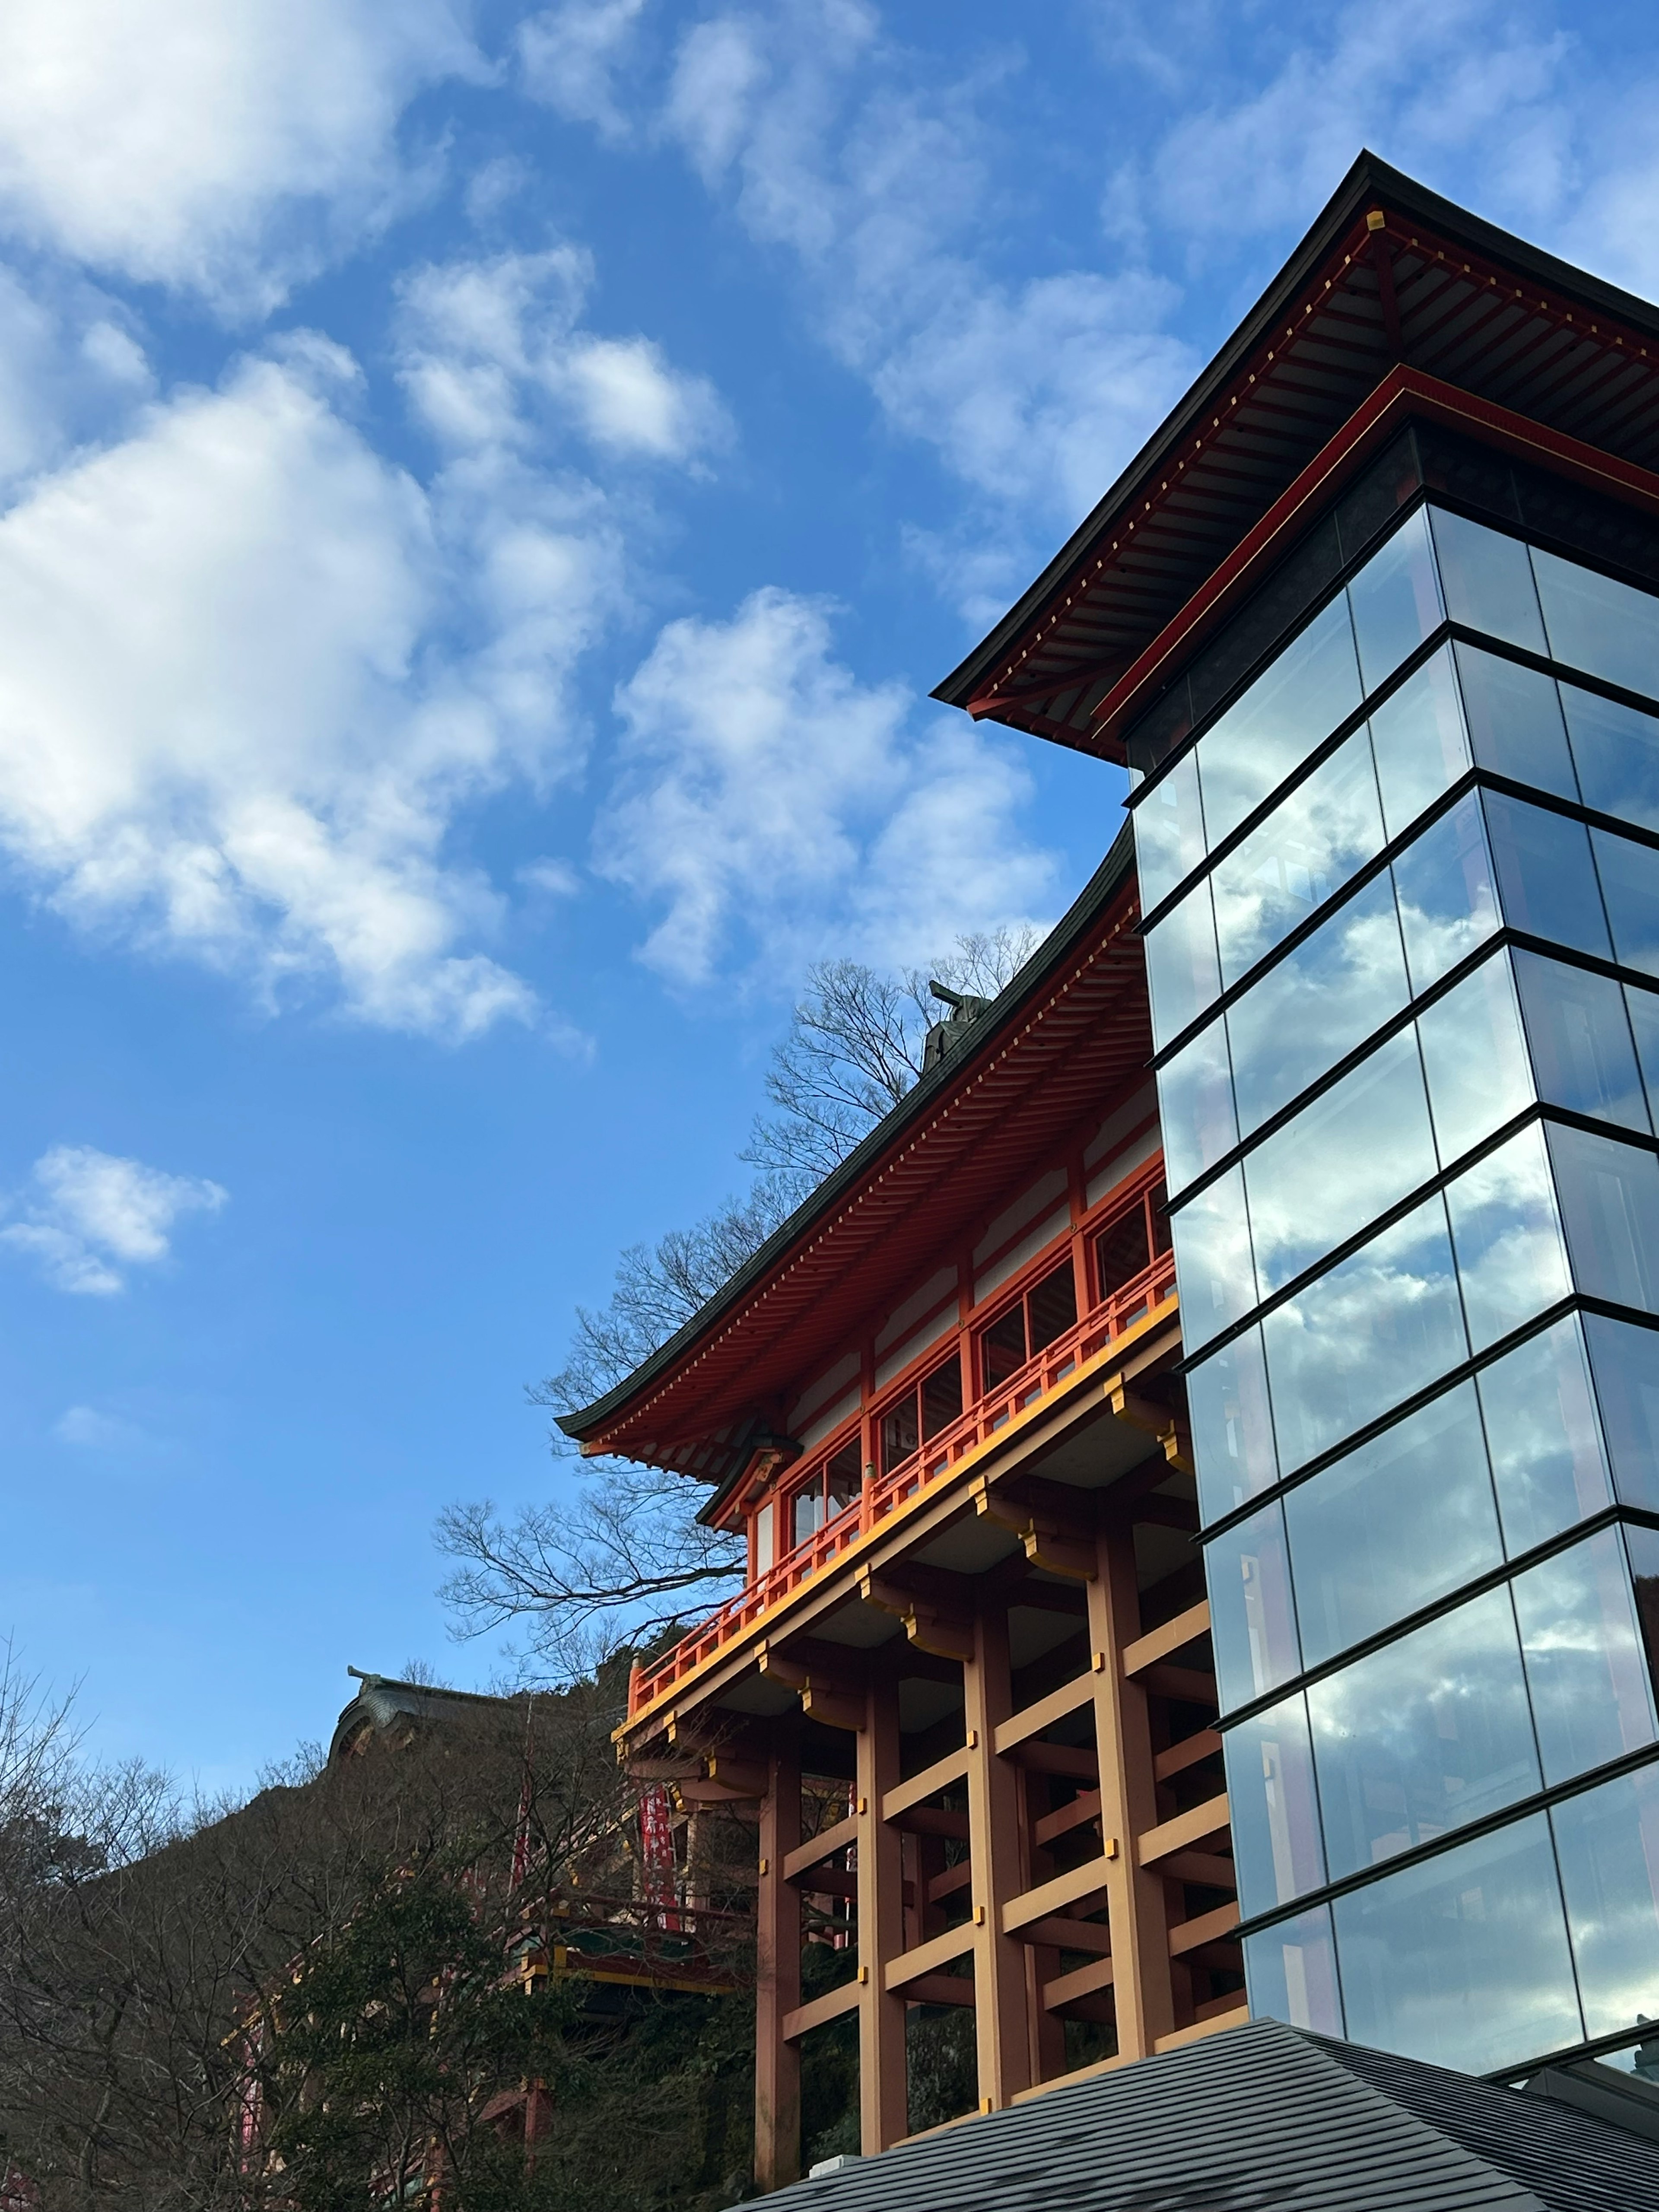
[619,1560]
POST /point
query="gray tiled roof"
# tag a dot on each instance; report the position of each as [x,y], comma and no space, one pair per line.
[1260,2118]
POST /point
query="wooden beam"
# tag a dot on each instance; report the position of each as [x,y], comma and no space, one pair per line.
[1171,1636]
[1060,1934]
[1186,1684]
[1088,1880]
[1208,1928]
[933,1820]
[1086,1805]
[1208,1870]
[834,2004]
[823,1845]
[940,1989]
[1216,2024]
[1188,1752]
[1195,1825]
[1081,1982]
[928,1957]
[954,1878]
[1045,1712]
[928,1783]
[1076,1761]
[777,1985]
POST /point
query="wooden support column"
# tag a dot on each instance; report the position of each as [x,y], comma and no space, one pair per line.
[777,1958]
[883,2090]
[1142,1986]
[1001,2015]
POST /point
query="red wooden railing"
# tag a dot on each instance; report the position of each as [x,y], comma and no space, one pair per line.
[1112,1317]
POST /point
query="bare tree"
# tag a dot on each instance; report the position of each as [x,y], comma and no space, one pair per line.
[618,1557]
[854,1047]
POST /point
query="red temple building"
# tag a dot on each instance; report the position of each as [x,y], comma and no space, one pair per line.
[1115,1664]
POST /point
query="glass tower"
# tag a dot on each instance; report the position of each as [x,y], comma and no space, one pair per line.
[1400,883]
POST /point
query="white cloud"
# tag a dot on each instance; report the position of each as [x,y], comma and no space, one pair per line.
[1438,79]
[196,143]
[569,56]
[769,801]
[1032,393]
[494,354]
[250,673]
[89,1430]
[68,364]
[86,1215]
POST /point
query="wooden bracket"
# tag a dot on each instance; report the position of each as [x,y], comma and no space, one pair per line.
[1056,1535]
[833,1699]
[1159,1420]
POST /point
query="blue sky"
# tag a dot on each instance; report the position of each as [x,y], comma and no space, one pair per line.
[484,497]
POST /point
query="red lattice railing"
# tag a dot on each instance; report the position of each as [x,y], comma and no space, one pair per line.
[1112,1317]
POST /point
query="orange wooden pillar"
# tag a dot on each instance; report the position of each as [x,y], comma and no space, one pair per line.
[777,1960]
[884,2088]
[1142,1985]
[1002,2017]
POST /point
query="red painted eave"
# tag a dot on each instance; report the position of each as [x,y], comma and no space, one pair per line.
[1081,1041]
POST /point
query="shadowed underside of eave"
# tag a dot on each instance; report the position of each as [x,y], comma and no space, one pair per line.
[1431,288]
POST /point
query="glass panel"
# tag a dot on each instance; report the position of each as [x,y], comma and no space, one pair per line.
[1607,629]
[1053,1306]
[1642,1547]
[806,1512]
[941,1395]
[1630,885]
[1169,833]
[1232,1428]
[1616,752]
[1002,1346]
[1316,837]
[1212,1258]
[1546,880]
[1511,1262]
[1396,600]
[1120,1252]
[1580,1041]
[1626,1363]
[1316,1004]
[1378,1329]
[1642,1007]
[1419,742]
[1181,973]
[1542,1436]
[1463,1960]
[1488,581]
[1252,1619]
[1405,1519]
[1275,1815]
[1515,721]
[1610,1200]
[900,1435]
[1291,1974]
[1446,893]
[1591,1701]
[1286,712]
[842,1479]
[1607,1844]
[1474,1056]
[1344,1160]
[1195,1107]
[1422,1736]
